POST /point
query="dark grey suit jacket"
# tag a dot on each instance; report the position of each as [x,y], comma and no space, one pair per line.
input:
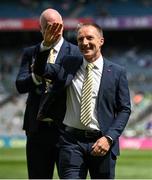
[25,84]
[113,103]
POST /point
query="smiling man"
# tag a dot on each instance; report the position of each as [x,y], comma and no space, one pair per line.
[90,41]
[98,108]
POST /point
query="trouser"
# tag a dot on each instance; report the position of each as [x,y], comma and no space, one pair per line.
[75,157]
[42,152]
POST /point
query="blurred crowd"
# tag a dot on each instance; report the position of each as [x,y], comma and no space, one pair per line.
[11,102]
[136,59]
[76,8]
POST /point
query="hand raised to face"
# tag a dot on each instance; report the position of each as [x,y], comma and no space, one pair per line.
[52,34]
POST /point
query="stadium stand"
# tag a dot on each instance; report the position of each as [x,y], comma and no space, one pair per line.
[128,47]
[78,8]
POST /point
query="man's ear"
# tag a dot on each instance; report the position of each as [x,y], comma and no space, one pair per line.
[40,28]
[102,41]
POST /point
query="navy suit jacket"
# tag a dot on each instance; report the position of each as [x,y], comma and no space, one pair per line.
[25,84]
[113,103]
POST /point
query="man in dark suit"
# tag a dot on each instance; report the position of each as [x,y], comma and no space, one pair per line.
[41,150]
[90,140]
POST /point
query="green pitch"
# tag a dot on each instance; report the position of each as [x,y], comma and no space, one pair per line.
[132,164]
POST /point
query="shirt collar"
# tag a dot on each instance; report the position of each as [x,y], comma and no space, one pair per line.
[98,64]
[58,45]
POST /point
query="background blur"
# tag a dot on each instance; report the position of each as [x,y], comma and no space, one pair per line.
[127,26]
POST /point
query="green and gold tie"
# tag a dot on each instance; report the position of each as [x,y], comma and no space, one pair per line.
[51,56]
[86,96]
[50,60]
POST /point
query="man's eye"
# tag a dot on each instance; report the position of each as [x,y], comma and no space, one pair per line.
[80,39]
[90,38]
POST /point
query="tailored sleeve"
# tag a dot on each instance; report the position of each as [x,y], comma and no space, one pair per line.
[123,107]
[24,81]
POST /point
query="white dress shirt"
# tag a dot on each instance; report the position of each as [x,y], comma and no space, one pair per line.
[72,116]
[56,52]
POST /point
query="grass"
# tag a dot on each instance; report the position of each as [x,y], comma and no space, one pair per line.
[12,163]
[132,164]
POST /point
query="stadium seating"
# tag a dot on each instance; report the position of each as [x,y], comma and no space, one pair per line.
[80,8]
[137,59]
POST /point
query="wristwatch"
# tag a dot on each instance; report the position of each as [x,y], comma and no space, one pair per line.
[110,140]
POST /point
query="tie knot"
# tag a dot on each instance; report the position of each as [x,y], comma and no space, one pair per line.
[52,51]
[90,66]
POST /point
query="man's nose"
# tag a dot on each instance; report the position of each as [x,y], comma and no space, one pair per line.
[85,41]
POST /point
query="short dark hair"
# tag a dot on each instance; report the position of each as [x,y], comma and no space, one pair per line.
[98,28]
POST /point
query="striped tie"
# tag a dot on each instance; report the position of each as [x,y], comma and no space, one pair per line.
[51,56]
[86,96]
[50,60]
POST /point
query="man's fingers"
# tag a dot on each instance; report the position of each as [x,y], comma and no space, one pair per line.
[98,152]
[54,28]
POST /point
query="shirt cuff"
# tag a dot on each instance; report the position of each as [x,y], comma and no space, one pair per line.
[44,48]
[35,80]
[110,139]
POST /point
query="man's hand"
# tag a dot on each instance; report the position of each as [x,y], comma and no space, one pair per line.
[101,147]
[52,34]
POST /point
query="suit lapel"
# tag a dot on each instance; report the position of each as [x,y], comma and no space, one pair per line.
[63,51]
[106,75]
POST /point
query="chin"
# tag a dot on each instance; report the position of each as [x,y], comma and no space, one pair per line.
[88,58]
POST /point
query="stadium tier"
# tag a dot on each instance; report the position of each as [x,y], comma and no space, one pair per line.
[75,8]
[127,28]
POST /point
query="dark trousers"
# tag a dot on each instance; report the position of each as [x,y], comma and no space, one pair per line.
[42,152]
[75,158]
